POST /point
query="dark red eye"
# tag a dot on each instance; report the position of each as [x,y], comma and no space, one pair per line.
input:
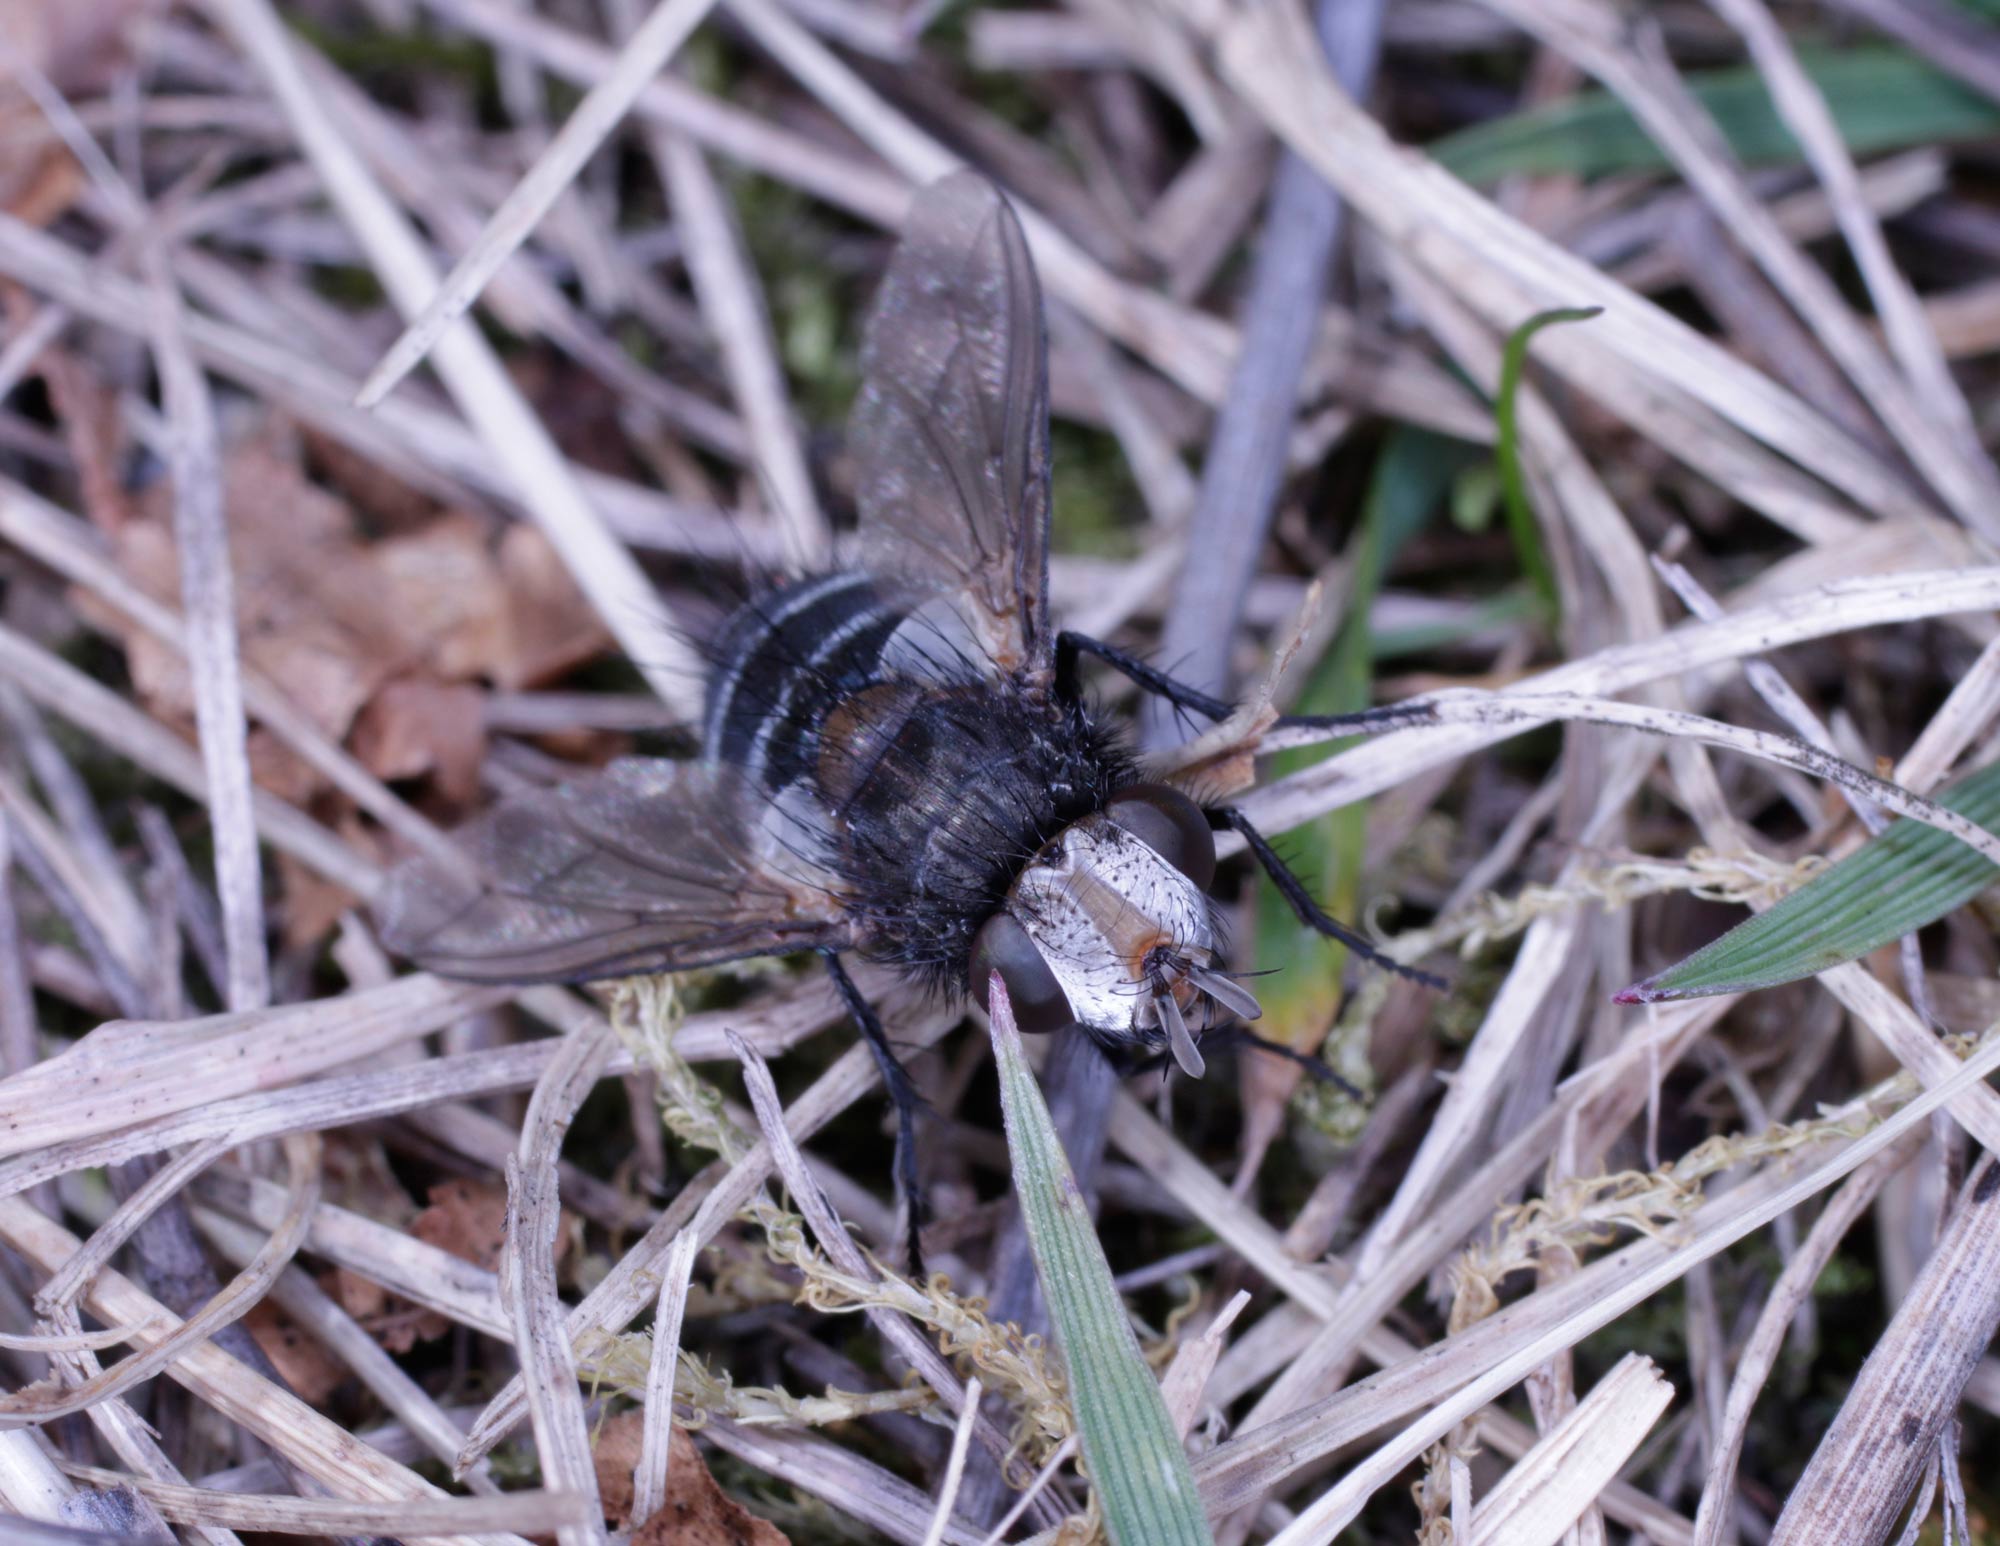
[1003,946]
[1170,824]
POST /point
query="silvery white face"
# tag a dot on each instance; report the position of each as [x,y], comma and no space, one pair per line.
[1127,936]
[1109,928]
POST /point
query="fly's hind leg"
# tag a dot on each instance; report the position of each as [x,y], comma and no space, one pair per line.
[1293,890]
[902,1092]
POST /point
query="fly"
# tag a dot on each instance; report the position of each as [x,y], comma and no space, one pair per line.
[897,757]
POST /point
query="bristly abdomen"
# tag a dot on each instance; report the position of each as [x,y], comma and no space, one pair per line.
[936,779]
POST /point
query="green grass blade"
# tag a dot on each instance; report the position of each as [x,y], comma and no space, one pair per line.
[1302,992]
[1882,99]
[1134,1457]
[1907,876]
[1513,480]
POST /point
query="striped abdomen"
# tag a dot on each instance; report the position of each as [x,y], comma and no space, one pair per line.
[938,780]
[784,663]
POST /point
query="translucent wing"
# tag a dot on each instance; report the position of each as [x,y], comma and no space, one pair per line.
[951,429]
[648,865]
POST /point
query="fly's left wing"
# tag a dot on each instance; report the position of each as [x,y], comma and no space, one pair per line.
[646,865]
[951,429]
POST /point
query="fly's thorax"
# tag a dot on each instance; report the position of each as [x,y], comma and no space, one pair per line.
[1105,910]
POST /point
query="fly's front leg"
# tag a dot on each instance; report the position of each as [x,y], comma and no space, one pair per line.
[1227,818]
[1071,646]
[1239,1034]
[902,1092]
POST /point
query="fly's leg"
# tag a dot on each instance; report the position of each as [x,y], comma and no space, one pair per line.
[902,1091]
[1239,1034]
[1293,890]
[1071,646]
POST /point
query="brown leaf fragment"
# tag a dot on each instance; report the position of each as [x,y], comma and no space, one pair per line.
[312,611]
[698,1512]
[416,727]
[312,904]
[614,1452]
[387,502]
[550,626]
[304,1364]
[87,412]
[77,45]
[445,589]
[466,1218]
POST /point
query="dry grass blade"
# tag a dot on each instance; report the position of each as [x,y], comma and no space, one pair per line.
[1247,452]
[1858,1484]
[303,1300]
[954,1473]
[57,1295]
[106,715]
[840,1247]
[1767,1337]
[644,55]
[708,1201]
[1535,708]
[1909,332]
[649,1478]
[1541,1497]
[1335,1509]
[302,1154]
[1382,763]
[603,568]
[208,597]
[528,1277]
[1647,82]
[1509,272]
[533,1512]
[741,324]
[129,1071]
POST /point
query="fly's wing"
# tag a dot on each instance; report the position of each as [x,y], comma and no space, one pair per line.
[647,865]
[951,429]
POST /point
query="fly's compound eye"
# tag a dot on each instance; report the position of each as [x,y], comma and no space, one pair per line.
[1170,824]
[1003,946]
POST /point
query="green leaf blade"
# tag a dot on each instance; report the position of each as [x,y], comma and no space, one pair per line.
[1908,876]
[1135,1458]
[1882,98]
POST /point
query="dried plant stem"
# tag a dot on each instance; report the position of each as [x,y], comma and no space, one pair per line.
[303,1157]
[1336,1508]
[1767,1337]
[603,569]
[208,598]
[656,41]
[1867,1465]
[534,1210]
[649,1479]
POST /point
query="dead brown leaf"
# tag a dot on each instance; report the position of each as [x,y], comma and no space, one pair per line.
[301,1360]
[698,1512]
[416,727]
[381,640]
[76,45]
[550,626]
[614,1452]
[466,1218]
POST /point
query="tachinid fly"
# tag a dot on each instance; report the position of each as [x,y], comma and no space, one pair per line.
[897,758]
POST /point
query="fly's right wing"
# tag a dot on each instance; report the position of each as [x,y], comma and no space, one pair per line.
[951,429]
[646,865]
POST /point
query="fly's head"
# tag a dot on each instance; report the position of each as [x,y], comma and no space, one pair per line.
[1110,928]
